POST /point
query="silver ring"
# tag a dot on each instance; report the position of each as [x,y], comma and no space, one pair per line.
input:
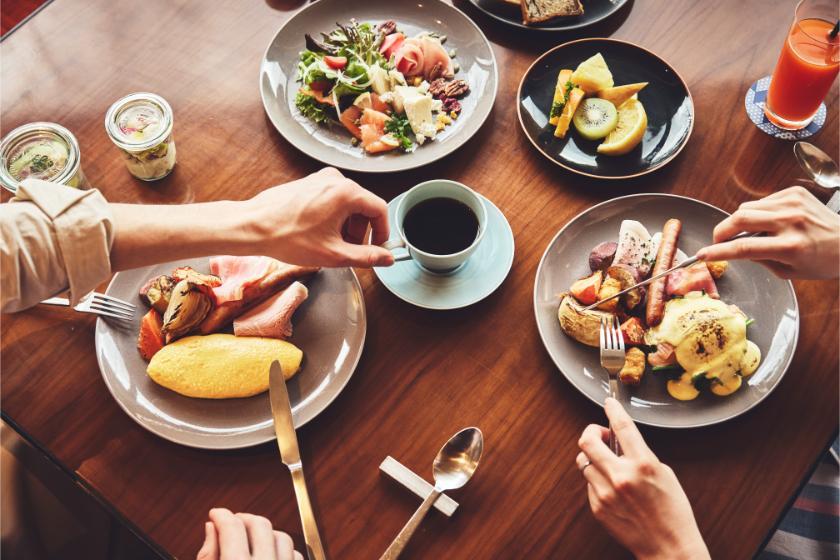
[583,468]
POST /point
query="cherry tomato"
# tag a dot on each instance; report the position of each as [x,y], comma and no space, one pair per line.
[336,62]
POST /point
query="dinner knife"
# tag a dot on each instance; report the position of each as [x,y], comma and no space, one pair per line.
[687,262]
[284,428]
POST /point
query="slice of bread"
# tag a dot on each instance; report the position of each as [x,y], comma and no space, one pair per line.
[534,11]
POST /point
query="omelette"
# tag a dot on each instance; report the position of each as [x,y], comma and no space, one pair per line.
[222,366]
[710,340]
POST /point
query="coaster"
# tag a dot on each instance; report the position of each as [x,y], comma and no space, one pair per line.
[754,103]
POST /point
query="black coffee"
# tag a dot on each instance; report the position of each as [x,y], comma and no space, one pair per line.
[441,226]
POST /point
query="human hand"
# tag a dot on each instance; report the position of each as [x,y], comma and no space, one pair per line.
[319,220]
[637,499]
[802,241]
[241,536]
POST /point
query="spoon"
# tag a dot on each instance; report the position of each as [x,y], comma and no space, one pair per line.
[821,168]
[454,465]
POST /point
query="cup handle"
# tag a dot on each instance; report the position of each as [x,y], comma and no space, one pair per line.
[397,244]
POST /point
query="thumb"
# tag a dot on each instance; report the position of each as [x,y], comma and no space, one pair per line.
[366,256]
[210,548]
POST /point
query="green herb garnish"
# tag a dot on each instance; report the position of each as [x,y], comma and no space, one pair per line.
[40,163]
[556,109]
[399,126]
[750,322]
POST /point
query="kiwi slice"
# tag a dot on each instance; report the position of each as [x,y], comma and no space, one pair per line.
[595,118]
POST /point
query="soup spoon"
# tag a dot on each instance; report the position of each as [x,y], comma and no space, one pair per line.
[454,465]
[821,168]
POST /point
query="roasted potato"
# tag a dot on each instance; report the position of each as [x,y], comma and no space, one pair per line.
[717,268]
[581,325]
[627,276]
[586,289]
[633,332]
[609,287]
[601,256]
[634,367]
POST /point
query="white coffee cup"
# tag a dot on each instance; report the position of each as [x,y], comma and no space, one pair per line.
[436,188]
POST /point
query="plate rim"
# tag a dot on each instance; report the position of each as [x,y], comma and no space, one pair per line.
[574,383]
[473,302]
[549,29]
[361,166]
[257,439]
[592,175]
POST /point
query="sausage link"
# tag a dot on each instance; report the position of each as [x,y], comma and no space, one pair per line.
[664,261]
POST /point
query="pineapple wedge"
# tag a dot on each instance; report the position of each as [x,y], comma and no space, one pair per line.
[593,75]
[619,94]
[575,97]
[559,96]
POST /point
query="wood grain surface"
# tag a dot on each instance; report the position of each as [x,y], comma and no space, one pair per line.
[424,374]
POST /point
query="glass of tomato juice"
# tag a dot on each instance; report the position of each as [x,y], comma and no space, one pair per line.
[807,65]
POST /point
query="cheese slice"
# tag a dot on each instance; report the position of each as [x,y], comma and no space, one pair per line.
[418,110]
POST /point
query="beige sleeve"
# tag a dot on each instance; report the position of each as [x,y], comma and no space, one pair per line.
[53,238]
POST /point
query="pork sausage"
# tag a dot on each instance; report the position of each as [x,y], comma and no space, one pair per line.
[664,261]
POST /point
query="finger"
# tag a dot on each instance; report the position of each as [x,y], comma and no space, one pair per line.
[364,256]
[233,540]
[298,555]
[284,546]
[626,432]
[355,229]
[592,443]
[375,210]
[210,549]
[595,503]
[773,248]
[746,220]
[260,536]
[329,172]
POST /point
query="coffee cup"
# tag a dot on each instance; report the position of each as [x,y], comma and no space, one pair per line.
[439,224]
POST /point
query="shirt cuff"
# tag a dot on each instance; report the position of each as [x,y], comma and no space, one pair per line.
[84,229]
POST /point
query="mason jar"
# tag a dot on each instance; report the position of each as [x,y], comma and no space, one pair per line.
[41,150]
[140,125]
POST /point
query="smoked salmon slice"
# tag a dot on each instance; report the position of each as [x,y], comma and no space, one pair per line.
[349,118]
[373,129]
[319,96]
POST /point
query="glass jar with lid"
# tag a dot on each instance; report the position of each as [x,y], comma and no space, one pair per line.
[140,125]
[41,150]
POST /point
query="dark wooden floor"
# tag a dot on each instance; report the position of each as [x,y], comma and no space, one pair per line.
[13,12]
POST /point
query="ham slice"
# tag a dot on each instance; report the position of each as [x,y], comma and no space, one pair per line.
[695,278]
[247,282]
[423,56]
[273,317]
[664,355]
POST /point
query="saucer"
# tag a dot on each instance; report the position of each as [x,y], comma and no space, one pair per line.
[473,281]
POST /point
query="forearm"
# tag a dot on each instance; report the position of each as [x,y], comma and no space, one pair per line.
[145,235]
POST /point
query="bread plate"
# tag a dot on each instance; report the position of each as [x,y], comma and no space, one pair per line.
[594,12]
[771,302]
[329,327]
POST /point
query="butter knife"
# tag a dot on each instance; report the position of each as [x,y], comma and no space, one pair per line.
[284,428]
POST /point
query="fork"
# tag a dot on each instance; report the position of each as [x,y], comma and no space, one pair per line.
[612,360]
[99,304]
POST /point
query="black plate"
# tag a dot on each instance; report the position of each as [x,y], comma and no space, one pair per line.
[667,101]
[593,12]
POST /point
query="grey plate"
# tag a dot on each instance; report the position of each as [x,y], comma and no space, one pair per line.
[330,144]
[762,296]
[329,327]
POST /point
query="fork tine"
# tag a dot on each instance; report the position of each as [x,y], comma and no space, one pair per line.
[104,314]
[105,299]
[97,308]
[619,335]
[602,334]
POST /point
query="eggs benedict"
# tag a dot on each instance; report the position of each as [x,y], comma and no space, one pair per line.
[709,339]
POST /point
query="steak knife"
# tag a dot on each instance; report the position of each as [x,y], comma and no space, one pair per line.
[284,428]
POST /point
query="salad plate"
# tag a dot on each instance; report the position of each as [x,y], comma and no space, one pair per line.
[595,11]
[330,329]
[668,104]
[328,62]
[767,300]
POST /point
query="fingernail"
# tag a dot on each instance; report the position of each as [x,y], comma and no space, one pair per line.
[701,254]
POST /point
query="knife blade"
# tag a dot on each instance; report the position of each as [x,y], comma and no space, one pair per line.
[687,262]
[284,429]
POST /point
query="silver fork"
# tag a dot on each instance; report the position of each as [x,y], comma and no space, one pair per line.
[99,304]
[612,360]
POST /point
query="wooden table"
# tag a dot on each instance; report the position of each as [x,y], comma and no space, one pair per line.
[424,374]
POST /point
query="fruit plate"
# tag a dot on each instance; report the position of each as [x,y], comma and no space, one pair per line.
[666,99]
[771,302]
[330,144]
[329,327]
[594,12]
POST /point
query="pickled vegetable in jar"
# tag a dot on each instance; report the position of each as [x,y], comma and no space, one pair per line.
[41,150]
[140,125]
